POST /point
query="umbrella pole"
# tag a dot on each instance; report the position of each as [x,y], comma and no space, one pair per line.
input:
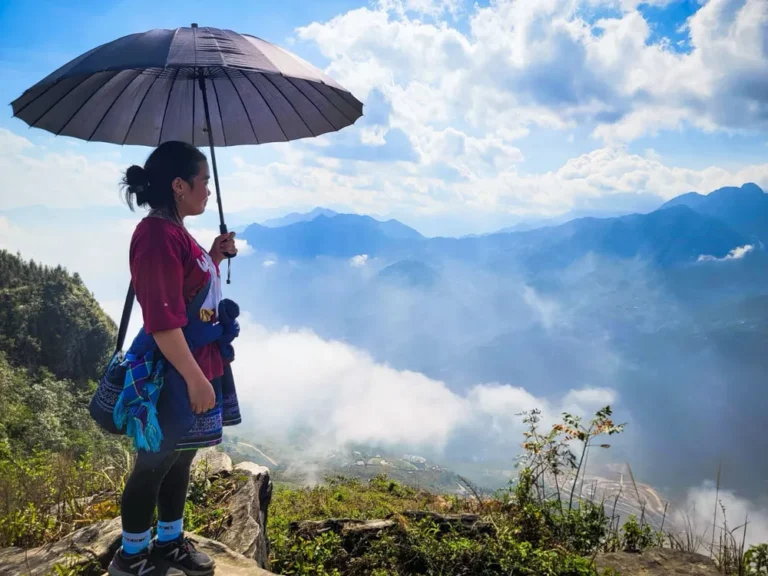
[222,225]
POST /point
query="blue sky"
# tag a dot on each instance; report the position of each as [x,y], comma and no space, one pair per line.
[478,115]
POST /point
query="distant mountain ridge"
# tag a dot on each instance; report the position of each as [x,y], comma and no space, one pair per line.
[682,231]
[342,236]
[295,217]
[745,209]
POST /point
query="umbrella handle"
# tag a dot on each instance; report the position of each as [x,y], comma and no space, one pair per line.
[223,230]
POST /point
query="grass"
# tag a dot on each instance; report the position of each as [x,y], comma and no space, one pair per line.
[540,524]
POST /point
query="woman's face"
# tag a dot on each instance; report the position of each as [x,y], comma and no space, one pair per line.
[192,199]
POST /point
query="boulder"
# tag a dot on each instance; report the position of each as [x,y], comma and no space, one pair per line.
[247,529]
[211,462]
[657,562]
[93,547]
[253,468]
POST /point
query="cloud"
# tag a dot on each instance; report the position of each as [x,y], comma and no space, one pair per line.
[702,504]
[34,175]
[206,236]
[735,254]
[530,63]
[11,143]
[493,184]
[358,261]
[338,395]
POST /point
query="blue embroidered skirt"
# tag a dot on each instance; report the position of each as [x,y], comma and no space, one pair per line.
[207,428]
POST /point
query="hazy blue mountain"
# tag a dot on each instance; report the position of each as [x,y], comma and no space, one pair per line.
[295,217]
[411,273]
[674,235]
[343,236]
[744,209]
[621,303]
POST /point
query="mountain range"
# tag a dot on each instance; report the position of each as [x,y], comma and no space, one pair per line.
[682,230]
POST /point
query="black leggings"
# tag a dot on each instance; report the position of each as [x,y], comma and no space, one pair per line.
[157,479]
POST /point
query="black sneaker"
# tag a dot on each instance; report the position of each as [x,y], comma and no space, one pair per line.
[142,564]
[182,554]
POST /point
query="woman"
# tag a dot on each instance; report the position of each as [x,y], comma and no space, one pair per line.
[168,268]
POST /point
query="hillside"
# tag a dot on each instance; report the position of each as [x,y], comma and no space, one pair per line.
[54,340]
[49,319]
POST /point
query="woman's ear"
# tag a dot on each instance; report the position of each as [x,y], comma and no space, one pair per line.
[179,186]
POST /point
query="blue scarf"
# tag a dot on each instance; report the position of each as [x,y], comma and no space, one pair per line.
[136,408]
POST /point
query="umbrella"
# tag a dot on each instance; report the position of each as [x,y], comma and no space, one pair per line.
[205,86]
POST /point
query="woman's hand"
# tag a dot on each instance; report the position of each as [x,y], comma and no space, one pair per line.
[174,347]
[201,395]
[223,245]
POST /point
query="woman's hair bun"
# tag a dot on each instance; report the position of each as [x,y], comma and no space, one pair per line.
[137,183]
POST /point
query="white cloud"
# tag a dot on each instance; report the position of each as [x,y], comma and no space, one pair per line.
[736,254]
[397,189]
[699,509]
[206,236]
[33,176]
[358,261]
[341,395]
[268,263]
[534,62]
[11,143]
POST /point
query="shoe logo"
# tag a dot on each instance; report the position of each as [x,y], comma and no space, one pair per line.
[175,554]
[142,567]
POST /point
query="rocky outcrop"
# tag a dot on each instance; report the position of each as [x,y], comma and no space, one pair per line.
[91,546]
[657,562]
[243,548]
[247,533]
[211,463]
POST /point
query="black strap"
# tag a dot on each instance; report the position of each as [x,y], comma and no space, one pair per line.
[196,303]
[123,330]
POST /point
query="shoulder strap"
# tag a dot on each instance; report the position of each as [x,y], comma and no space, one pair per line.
[122,331]
[127,307]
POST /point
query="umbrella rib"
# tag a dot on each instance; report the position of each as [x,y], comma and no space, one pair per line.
[266,77]
[99,89]
[221,117]
[277,121]
[98,125]
[312,84]
[226,72]
[292,81]
[43,93]
[139,108]
[167,102]
[53,105]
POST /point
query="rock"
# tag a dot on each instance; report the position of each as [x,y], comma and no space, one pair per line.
[211,462]
[253,468]
[469,524]
[94,544]
[247,531]
[657,562]
[356,534]
[229,562]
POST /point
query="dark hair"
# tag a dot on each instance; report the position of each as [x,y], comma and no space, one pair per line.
[151,185]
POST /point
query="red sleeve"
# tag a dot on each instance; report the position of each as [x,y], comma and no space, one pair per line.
[157,273]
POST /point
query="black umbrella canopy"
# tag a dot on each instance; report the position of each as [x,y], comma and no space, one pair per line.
[150,87]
